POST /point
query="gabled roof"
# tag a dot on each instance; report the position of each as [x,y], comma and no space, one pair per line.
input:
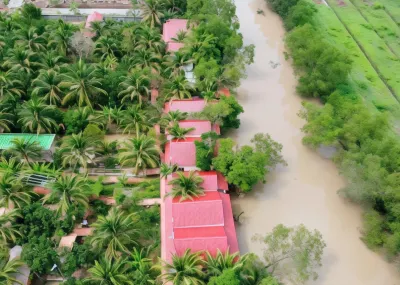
[212,180]
[170,30]
[182,152]
[189,106]
[45,141]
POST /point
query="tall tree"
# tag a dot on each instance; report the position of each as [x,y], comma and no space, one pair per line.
[10,85]
[12,193]
[8,270]
[109,272]
[106,46]
[223,261]
[21,60]
[8,231]
[141,152]
[78,150]
[61,36]
[35,117]
[151,12]
[135,86]
[82,84]
[68,191]
[186,186]
[46,86]
[146,59]
[114,233]
[177,88]
[30,39]
[173,117]
[25,149]
[185,269]
[177,132]
[298,246]
[135,118]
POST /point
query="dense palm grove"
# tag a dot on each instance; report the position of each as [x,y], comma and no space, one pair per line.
[52,83]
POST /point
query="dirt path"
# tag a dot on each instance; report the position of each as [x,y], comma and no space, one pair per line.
[305,191]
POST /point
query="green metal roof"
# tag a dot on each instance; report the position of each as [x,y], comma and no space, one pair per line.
[45,141]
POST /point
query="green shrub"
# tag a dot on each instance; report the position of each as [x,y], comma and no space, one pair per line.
[300,14]
[93,131]
[378,5]
[204,156]
[373,229]
[282,7]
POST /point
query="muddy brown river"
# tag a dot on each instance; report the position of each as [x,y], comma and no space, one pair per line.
[306,190]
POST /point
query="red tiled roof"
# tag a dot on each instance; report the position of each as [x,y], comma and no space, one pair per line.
[200,127]
[182,152]
[199,232]
[170,30]
[198,214]
[211,244]
[189,106]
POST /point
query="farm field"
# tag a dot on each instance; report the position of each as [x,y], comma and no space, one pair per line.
[392,8]
[381,23]
[381,57]
[363,78]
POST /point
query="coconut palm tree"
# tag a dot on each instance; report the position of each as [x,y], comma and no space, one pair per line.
[29,38]
[135,118]
[180,36]
[68,191]
[46,86]
[105,117]
[98,27]
[222,261]
[78,150]
[8,270]
[141,152]
[10,165]
[166,169]
[10,85]
[146,59]
[61,36]
[109,272]
[12,193]
[185,269]
[141,264]
[115,233]
[186,186]
[150,38]
[82,84]
[177,87]
[35,116]
[175,62]
[173,117]
[151,12]
[47,169]
[21,60]
[6,120]
[198,46]
[106,47]
[25,149]
[8,231]
[51,61]
[135,86]
[177,132]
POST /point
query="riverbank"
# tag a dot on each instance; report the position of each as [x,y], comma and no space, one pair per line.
[306,190]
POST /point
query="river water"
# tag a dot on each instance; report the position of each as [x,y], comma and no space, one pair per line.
[306,190]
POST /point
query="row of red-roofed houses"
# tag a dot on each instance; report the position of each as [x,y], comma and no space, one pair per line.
[206,222]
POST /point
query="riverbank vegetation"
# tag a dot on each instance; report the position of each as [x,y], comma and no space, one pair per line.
[365,137]
[95,95]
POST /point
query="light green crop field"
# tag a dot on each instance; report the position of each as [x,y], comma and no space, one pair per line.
[375,48]
[392,7]
[382,24]
[363,77]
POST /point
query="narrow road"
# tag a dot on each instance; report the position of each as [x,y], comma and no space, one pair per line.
[306,190]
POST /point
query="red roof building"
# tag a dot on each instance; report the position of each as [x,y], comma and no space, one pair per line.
[94,17]
[200,127]
[170,30]
[189,106]
[182,153]
[205,223]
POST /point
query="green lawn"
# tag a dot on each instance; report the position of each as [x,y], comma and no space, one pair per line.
[392,8]
[384,60]
[363,77]
[382,24]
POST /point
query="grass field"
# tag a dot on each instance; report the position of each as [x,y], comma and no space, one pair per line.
[392,8]
[381,22]
[379,54]
[363,77]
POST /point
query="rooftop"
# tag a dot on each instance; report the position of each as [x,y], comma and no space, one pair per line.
[182,152]
[189,106]
[45,141]
[170,30]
